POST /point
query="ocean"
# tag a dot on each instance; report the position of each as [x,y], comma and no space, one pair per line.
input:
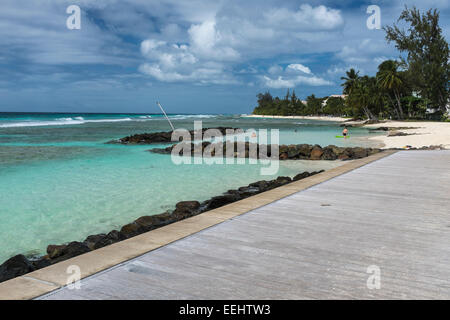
[60,181]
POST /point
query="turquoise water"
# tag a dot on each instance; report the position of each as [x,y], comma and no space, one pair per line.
[60,182]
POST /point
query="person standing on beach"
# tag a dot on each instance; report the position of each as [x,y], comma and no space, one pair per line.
[345,132]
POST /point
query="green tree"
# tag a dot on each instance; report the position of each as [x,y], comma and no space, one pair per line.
[363,97]
[350,80]
[313,105]
[335,106]
[391,80]
[427,54]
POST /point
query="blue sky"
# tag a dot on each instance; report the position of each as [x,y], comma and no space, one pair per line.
[196,56]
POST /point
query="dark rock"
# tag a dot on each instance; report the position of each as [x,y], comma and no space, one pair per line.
[328,154]
[261,185]
[245,192]
[160,137]
[304,151]
[284,156]
[114,236]
[147,223]
[283,180]
[68,251]
[293,151]
[372,121]
[302,175]
[346,154]
[336,150]
[283,149]
[300,151]
[188,205]
[398,134]
[380,129]
[98,241]
[55,250]
[219,201]
[14,267]
[130,230]
[185,209]
[359,153]
[41,262]
[316,153]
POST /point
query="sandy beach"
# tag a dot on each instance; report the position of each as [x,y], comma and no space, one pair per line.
[322,118]
[420,134]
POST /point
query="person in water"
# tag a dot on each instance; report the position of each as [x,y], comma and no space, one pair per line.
[345,132]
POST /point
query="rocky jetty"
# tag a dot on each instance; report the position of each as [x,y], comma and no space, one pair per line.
[161,137]
[286,152]
[20,265]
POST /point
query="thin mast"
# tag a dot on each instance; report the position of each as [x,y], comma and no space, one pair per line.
[159,105]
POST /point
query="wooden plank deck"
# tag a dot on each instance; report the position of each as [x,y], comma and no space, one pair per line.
[393,213]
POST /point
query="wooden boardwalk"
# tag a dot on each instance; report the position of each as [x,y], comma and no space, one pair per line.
[393,214]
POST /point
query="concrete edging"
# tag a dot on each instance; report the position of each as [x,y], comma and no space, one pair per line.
[46,280]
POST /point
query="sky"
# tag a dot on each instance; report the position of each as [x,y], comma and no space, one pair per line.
[194,56]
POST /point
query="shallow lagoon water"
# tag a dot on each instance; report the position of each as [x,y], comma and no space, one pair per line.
[61,182]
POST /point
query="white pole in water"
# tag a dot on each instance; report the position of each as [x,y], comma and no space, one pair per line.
[159,105]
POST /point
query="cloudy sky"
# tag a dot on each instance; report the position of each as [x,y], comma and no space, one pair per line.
[195,56]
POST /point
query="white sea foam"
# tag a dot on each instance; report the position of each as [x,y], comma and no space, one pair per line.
[81,120]
[189,116]
[109,120]
[58,122]
[40,123]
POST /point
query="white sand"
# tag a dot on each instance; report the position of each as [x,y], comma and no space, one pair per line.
[323,118]
[425,134]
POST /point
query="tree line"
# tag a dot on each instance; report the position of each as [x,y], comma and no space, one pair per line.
[416,86]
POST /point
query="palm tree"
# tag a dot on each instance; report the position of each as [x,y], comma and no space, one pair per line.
[350,80]
[390,79]
[364,96]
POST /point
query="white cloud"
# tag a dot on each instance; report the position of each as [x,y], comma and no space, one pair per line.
[36,32]
[281,82]
[306,18]
[278,82]
[235,34]
[201,60]
[290,77]
[299,67]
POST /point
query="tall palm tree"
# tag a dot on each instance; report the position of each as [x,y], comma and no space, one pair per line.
[390,79]
[362,95]
[350,80]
